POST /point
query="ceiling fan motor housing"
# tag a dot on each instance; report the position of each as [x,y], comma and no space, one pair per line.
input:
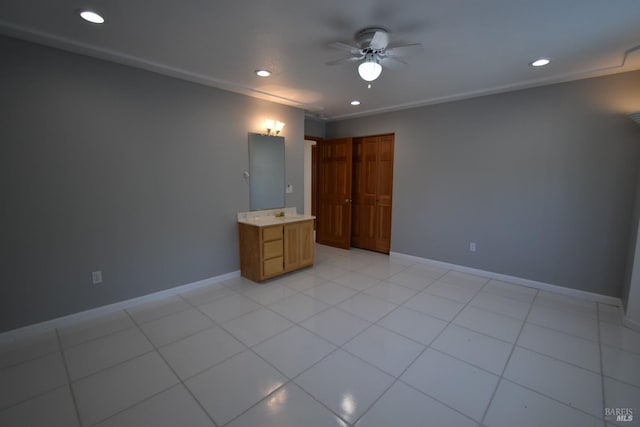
[365,37]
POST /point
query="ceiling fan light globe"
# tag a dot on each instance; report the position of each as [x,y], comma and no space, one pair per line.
[369,70]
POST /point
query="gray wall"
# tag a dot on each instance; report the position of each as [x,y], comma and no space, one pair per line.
[543,180]
[314,127]
[107,167]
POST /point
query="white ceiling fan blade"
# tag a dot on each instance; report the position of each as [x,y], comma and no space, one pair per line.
[344,46]
[379,41]
[392,63]
[344,60]
[405,50]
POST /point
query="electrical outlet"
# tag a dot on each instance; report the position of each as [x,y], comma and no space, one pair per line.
[472,246]
[96,277]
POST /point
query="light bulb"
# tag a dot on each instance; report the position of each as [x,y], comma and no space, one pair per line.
[91,16]
[540,62]
[369,70]
[270,124]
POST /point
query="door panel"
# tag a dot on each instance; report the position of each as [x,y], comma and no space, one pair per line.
[334,192]
[314,183]
[385,192]
[363,229]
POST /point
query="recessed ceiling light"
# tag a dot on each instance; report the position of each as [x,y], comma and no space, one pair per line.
[355,102]
[540,62]
[91,16]
[263,73]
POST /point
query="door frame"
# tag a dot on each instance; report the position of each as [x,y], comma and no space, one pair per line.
[311,175]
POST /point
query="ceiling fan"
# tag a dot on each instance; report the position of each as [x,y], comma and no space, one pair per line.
[372,48]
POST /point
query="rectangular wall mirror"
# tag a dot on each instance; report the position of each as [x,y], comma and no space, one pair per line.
[266,171]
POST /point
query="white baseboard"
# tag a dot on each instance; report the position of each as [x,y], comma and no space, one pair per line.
[605,299]
[630,323]
[38,328]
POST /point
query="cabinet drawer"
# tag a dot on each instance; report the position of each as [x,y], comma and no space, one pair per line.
[273,266]
[272,249]
[272,233]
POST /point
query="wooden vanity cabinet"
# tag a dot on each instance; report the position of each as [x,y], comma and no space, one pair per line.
[270,251]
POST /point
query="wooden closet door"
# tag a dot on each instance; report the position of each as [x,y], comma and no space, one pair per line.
[365,165]
[334,192]
[372,192]
[384,193]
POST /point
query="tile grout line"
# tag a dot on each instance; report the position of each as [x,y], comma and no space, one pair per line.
[558,359]
[152,350]
[40,356]
[502,378]
[146,399]
[155,348]
[292,380]
[601,365]
[338,347]
[514,345]
[35,396]
[294,323]
[559,402]
[397,378]
[89,340]
[341,347]
[69,382]
[506,364]
[283,385]
[250,348]
[135,324]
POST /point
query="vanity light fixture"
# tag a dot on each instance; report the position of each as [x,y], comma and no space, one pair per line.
[91,16]
[270,124]
[274,127]
[540,62]
[263,73]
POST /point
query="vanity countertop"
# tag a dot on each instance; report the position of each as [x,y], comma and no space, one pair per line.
[268,217]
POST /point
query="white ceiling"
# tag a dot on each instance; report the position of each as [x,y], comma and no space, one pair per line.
[471,47]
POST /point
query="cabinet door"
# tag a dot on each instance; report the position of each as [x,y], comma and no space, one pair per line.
[305,230]
[291,243]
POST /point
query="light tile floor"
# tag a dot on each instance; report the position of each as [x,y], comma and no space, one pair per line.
[360,339]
